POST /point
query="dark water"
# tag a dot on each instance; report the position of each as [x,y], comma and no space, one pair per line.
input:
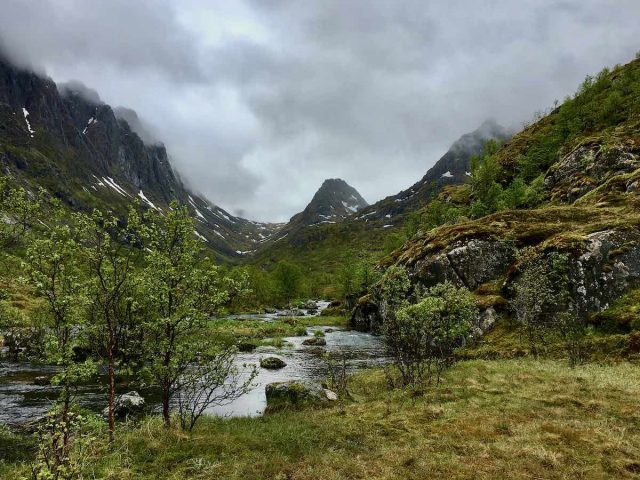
[21,400]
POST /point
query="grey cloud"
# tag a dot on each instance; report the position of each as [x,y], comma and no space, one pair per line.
[76,87]
[259,101]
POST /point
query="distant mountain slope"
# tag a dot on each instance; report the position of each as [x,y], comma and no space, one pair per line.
[451,169]
[75,146]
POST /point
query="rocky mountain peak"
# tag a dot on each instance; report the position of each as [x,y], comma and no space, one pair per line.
[334,200]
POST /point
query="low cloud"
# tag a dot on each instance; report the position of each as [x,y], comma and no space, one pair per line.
[259,101]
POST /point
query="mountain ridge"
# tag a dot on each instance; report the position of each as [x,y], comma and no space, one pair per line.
[86,153]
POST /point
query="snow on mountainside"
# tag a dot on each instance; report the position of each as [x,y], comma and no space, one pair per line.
[65,139]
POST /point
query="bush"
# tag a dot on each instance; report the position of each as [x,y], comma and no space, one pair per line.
[544,306]
[423,337]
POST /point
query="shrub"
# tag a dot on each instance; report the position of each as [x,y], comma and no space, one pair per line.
[544,306]
[423,337]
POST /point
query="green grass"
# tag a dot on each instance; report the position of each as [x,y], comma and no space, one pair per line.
[488,420]
[260,332]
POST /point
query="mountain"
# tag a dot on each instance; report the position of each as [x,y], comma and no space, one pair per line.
[452,168]
[66,140]
[334,201]
[331,231]
[566,187]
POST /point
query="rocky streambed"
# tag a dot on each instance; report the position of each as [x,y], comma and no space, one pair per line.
[25,397]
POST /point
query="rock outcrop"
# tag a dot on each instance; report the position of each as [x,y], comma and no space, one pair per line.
[589,166]
[603,265]
[296,395]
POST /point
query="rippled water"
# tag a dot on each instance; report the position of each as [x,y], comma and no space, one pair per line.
[21,400]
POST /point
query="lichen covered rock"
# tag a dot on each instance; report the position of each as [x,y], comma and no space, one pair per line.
[588,166]
[127,405]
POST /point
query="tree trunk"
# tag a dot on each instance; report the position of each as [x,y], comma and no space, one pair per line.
[112,395]
[66,406]
[166,414]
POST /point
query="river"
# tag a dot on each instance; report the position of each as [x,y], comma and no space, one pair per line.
[21,400]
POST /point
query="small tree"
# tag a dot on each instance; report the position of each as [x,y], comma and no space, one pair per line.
[211,379]
[338,375]
[356,275]
[54,269]
[181,289]
[422,338]
[392,292]
[288,280]
[19,211]
[110,256]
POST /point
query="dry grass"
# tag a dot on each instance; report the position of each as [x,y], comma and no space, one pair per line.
[489,420]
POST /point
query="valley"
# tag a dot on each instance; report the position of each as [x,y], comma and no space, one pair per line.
[481,323]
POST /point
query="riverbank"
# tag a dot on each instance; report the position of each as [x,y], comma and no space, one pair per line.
[24,398]
[512,419]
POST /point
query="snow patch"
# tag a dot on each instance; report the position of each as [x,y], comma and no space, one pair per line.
[447,174]
[26,114]
[111,182]
[89,123]
[144,198]
[220,212]
[201,237]
[366,215]
[352,208]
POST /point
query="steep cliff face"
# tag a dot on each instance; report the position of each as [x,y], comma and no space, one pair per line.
[592,212]
[75,146]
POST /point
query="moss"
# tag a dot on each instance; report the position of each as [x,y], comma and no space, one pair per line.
[622,316]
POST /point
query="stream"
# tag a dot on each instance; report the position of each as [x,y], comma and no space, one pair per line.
[21,400]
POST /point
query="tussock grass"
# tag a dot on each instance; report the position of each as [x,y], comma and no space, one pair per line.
[519,418]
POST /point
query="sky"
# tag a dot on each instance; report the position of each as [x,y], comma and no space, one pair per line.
[259,101]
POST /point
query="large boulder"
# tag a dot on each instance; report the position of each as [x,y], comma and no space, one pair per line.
[295,394]
[609,266]
[366,315]
[310,305]
[127,405]
[479,261]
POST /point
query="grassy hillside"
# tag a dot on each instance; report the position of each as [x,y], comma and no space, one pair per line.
[323,251]
[571,173]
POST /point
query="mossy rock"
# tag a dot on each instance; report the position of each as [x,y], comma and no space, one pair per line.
[246,347]
[296,395]
[272,363]
[315,342]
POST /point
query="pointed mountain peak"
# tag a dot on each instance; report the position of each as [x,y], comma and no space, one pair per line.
[334,200]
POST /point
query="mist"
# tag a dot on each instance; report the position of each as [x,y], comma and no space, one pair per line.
[259,101]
